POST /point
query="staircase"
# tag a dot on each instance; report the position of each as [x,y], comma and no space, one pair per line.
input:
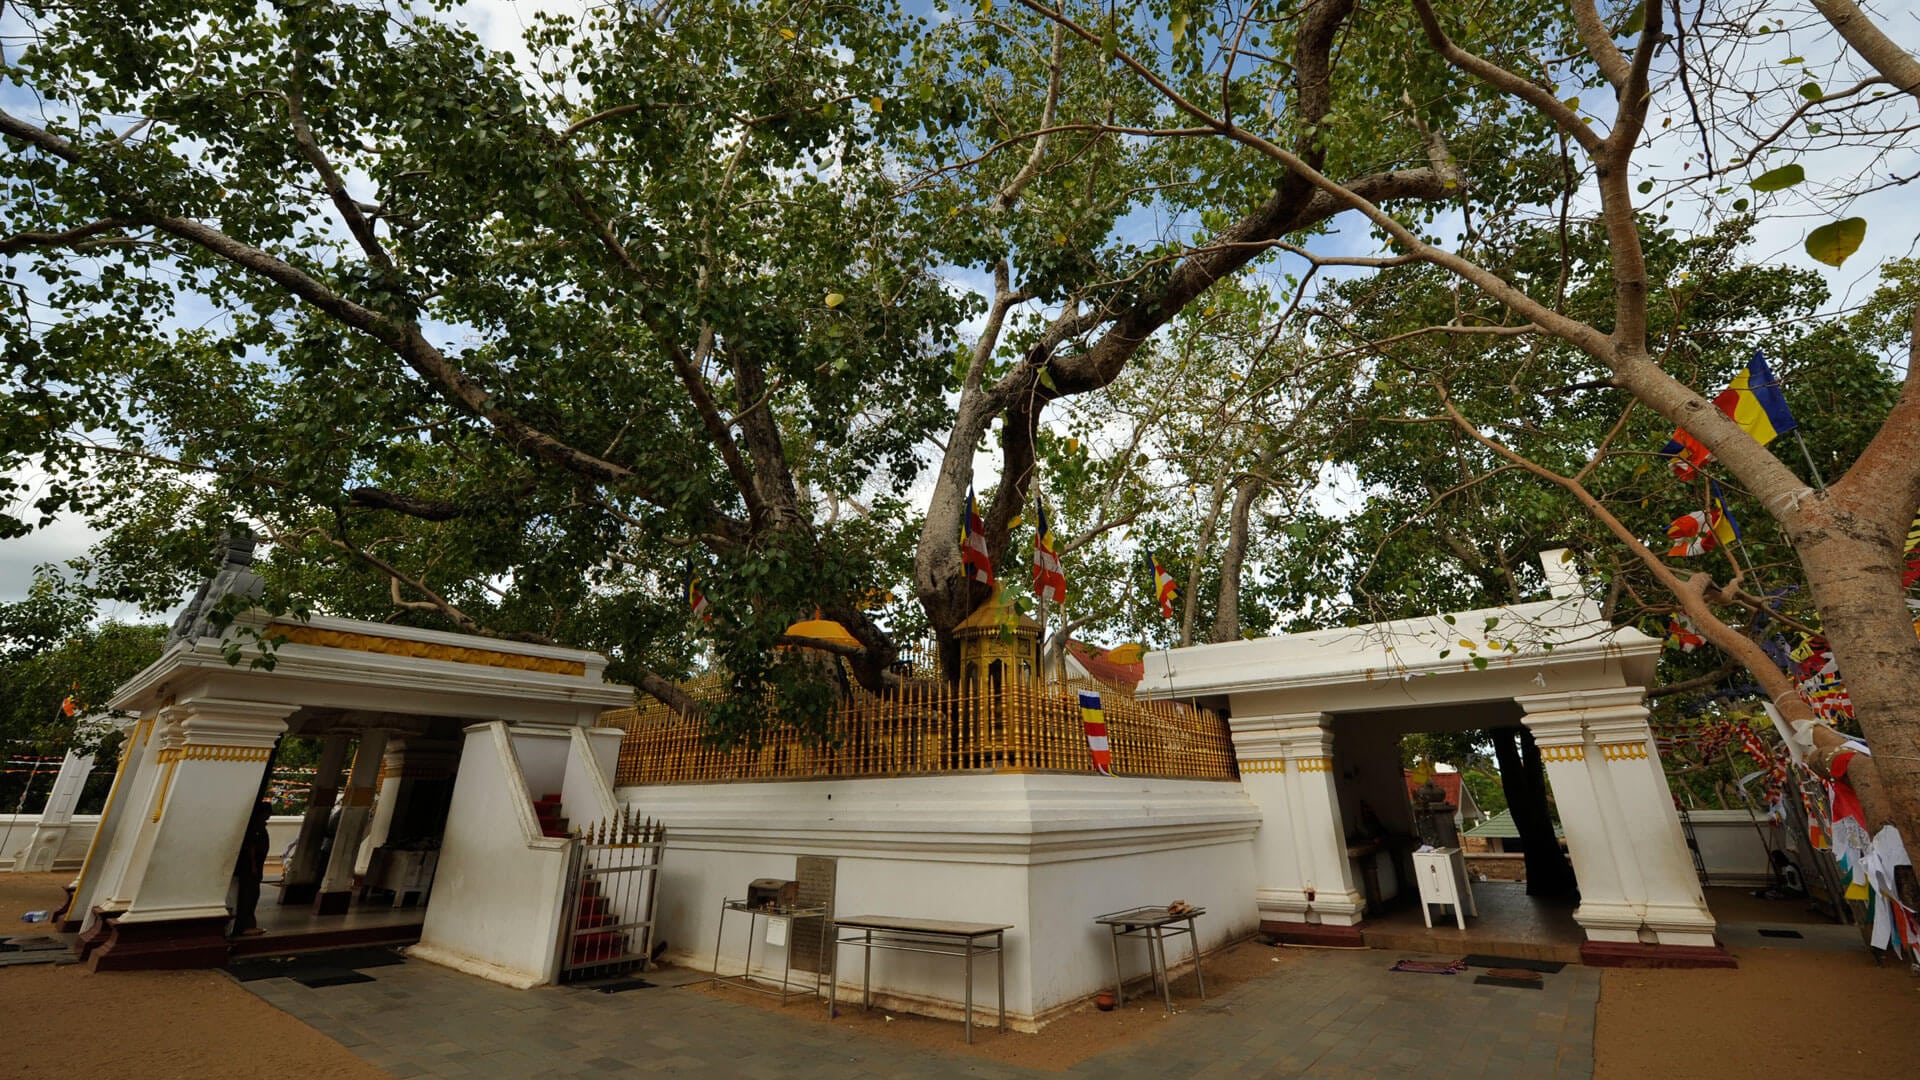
[591,944]
[547,809]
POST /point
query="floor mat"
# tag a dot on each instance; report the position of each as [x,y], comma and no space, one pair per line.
[317,980]
[1516,984]
[617,986]
[1482,960]
[1430,967]
[331,962]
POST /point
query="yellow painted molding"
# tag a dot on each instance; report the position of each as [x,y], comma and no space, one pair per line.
[1563,753]
[210,752]
[1624,751]
[1263,765]
[423,650]
[1316,764]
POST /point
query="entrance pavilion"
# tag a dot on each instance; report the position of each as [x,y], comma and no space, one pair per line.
[432,746]
[1316,719]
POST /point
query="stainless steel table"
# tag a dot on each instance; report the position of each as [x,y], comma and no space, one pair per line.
[747,979]
[1154,925]
[938,937]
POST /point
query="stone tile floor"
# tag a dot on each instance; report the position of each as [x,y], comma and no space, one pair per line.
[1326,1014]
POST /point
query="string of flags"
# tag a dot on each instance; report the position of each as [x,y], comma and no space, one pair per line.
[1682,635]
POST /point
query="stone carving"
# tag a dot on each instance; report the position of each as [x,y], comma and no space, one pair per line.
[234,578]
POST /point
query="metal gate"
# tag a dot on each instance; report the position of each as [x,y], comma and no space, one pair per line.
[613,871]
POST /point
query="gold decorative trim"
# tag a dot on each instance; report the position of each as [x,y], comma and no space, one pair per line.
[1563,753]
[1624,751]
[208,752]
[1263,765]
[1316,764]
[424,650]
[166,782]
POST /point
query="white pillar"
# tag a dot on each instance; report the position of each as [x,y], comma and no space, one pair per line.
[336,885]
[386,798]
[50,832]
[208,765]
[106,843]
[1637,883]
[300,879]
[1300,853]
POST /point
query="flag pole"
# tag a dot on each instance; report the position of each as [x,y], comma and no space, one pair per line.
[1805,453]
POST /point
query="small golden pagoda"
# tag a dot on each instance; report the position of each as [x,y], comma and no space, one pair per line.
[998,645]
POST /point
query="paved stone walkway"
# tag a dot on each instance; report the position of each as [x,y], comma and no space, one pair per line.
[1328,1014]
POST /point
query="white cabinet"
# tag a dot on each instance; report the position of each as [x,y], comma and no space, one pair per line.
[1442,876]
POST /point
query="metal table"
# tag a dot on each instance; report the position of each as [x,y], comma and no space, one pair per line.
[938,937]
[747,979]
[1154,925]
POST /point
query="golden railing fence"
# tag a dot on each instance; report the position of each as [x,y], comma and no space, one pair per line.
[927,728]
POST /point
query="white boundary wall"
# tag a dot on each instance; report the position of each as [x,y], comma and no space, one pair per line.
[17,829]
[1044,852]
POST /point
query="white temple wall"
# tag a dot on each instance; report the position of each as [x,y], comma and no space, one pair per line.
[1043,852]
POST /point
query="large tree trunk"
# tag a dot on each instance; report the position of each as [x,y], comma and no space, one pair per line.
[1226,613]
[1523,776]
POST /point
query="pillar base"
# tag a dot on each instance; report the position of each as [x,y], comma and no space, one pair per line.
[333,903]
[168,944]
[1323,935]
[96,934]
[1640,955]
[302,893]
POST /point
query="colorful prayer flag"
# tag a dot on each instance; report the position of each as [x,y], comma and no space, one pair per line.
[1165,589]
[1094,718]
[68,707]
[1703,530]
[1049,578]
[1754,401]
[973,544]
[696,599]
[1681,634]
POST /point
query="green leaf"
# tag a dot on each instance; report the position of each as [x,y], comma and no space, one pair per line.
[1794,60]
[1179,27]
[1833,242]
[1811,91]
[1645,186]
[1740,206]
[1636,22]
[1046,380]
[1779,179]
[1480,663]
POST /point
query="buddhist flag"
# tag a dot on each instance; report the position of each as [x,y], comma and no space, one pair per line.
[696,599]
[973,544]
[1681,634]
[1754,401]
[1049,579]
[68,707]
[1165,590]
[1094,718]
[1703,530]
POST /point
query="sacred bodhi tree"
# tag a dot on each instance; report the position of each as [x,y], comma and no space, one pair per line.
[1423,79]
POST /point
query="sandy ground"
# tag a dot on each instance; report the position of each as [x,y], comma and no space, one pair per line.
[1067,1041]
[1782,1014]
[21,893]
[65,1021]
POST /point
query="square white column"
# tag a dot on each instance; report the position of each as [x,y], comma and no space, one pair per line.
[1286,766]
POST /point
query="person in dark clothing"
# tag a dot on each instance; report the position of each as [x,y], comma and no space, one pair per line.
[249,868]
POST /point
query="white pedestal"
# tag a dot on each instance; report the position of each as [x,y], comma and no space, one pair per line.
[1442,876]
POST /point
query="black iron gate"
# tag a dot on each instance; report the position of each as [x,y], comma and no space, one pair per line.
[612,873]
